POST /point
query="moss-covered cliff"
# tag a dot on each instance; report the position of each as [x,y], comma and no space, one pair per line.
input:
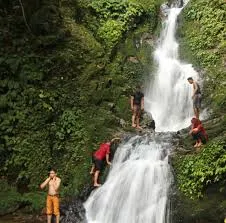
[67,69]
[200,177]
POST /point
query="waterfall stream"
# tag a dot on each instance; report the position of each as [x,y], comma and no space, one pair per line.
[136,190]
[168,96]
[137,187]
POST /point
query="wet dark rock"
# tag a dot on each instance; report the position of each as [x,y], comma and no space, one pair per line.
[72,210]
[147,122]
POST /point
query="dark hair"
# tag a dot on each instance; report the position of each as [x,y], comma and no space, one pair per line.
[190,78]
[52,169]
[196,122]
[138,86]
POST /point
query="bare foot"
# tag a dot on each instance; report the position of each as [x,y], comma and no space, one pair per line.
[134,125]
[199,145]
[97,185]
[196,145]
[138,127]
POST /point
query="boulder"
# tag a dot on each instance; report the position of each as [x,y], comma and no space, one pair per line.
[147,122]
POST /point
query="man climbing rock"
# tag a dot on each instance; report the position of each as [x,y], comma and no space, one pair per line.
[99,158]
[137,105]
[196,96]
[52,202]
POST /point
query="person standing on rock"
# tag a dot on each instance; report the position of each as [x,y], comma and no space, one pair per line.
[52,202]
[99,157]
[137,105]
[196,96]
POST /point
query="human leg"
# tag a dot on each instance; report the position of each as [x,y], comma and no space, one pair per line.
[49,218]
[134,117]
[92,169]
[56,208]
[96,177]
[137,119]
[197,105]
[196,138]
[49,208]
[196,112]
[98,167]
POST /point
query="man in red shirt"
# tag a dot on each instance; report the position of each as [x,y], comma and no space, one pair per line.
[99,157]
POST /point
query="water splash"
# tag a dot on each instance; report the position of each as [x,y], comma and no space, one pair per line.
[138,185]
[136,190]
[168,97]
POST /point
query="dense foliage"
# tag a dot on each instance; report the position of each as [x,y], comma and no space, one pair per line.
[65,82]
[203,43]
[116,17]
[195,172]
[200,176]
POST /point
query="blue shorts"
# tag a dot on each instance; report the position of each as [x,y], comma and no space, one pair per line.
[197,101]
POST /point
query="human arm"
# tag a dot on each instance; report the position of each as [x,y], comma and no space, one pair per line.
[131,101]
[195,89]
[196,129]
[44,184]
[114,139]
[142,103]
[107,159]
[56,183]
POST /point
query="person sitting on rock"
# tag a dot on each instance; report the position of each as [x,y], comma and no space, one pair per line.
[137,105]
[198,132]
[99,158]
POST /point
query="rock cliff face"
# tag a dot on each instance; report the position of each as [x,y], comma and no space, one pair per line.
[67,71]
[200,177]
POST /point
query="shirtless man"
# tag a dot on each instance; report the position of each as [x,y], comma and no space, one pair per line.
[137,105]
[52,202]
[196,96]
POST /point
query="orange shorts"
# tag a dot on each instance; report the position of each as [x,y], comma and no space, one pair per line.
[53,205]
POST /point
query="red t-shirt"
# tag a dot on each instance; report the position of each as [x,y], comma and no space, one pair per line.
[101,153]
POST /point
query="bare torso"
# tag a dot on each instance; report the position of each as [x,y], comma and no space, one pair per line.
[54,186]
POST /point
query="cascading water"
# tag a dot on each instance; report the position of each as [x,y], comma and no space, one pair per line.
[136,190]
[137,187]
[168,97]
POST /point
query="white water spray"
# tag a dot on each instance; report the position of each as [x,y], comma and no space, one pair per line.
[168,97]
[137,187]
[136,190]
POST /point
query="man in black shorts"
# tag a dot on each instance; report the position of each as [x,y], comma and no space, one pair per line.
[137,105]
[196,96]
[99,157]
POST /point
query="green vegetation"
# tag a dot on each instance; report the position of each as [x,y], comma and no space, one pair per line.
[11,200]
[115,17]
[203,42]
[66,78]
[195,172]
[200,176]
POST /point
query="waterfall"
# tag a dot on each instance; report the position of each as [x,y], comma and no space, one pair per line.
[137,187]
[168,96]
[138,184]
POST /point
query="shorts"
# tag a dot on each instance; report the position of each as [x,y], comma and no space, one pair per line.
[197,101]
[198,136]
[53,205]
[99,164]
[137,109]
